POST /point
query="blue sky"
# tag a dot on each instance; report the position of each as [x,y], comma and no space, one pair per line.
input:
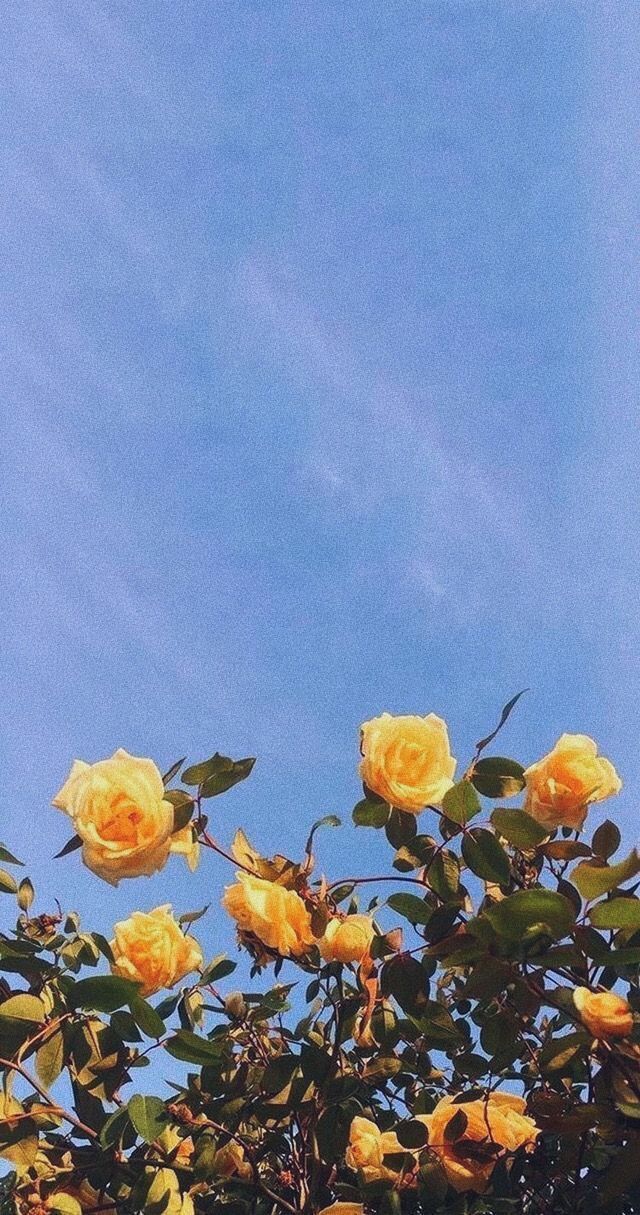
[320,358]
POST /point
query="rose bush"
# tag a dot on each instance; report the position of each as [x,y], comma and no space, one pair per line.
[455,1033]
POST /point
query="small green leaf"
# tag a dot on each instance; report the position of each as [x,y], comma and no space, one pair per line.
[148,1115]
[443,874]
[456,1127]
[595,880]
[146,1017]
[606,839]
[23,1007]
[616,913]
[71,845]
[461,803]
[528,910]
[26,894]
[115,1128]
[520,829]
[191,917]
[370,814]
[401,827]
[191,1048]
[412,1134]
[50,1059]
[484,742]
[173,771]
[218,968]
[104,993]
[411,907]
[498,777]
[329,820]
[218,774]
[485,856]
[8,858]
[8,884]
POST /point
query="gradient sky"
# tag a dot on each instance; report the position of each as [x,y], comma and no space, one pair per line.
[320,358]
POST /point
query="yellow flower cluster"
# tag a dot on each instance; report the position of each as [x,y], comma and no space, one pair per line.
[497,1120]
[279,919]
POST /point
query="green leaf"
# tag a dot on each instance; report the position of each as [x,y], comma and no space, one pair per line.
[461,803]
[412,1134]
[115,1128]
[595,880]
[173,771]
[191,1048]
[485,856]
[616,913]
[8,858]
[191,917]
[8,884]
[606,839]
[148,1115]
[183,807]
[23,1007]
[50,1059]
[104,993]
[411,907]
[498,777]
[146,1017]
[218,968]
[71,845]
[218,774]
[484,742]
[443,874]
[518,828]
[26,894]
[329,820]
[370,814]
[401,827]
[527,910]
[456,1127]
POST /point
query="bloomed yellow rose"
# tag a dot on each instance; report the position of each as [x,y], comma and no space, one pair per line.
[605,1014]
[231,1161]
[276,916]
[562,785]
[367,1147]
[347,940]
[499,1119]
[151,949]
[407,760]
[118,809]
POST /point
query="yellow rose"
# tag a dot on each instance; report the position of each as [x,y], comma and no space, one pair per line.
[498,1119]
[347,940]
[407,760]
[151,948]
[605,1014]
[368,1146]
[276,916]
[343,1208]
[562,784]
[118,809]
[231,1161]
